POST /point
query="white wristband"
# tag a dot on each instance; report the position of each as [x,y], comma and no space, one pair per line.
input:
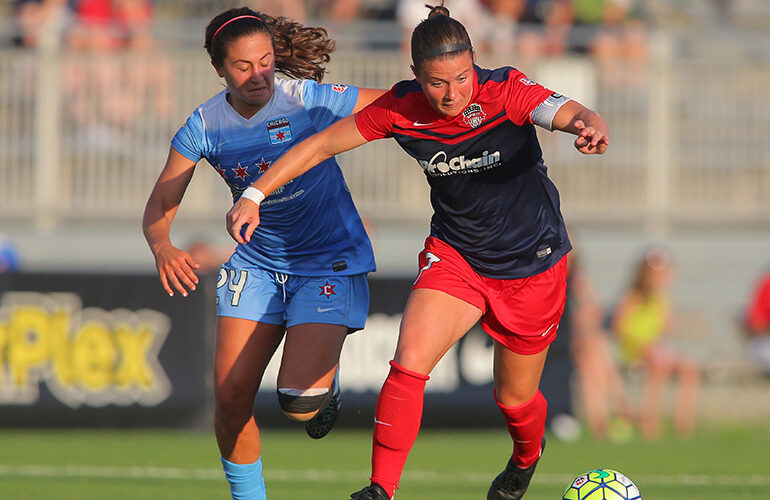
[253,194]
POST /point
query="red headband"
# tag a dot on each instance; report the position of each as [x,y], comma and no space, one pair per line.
[229,21]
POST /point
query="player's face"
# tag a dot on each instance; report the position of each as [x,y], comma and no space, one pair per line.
[248,71]
[447,82]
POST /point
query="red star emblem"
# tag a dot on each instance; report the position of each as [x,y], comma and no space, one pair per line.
[280,136]
[263,166]
[327,289]
[220,170]
[240,172]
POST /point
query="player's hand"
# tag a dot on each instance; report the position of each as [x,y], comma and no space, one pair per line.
[590,140]
[176,269]
[244,212]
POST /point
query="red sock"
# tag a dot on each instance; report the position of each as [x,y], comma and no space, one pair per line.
[526,425]
[396,424]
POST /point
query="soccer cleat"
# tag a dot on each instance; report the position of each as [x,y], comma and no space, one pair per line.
[371,492]
[512,483]
[320,425]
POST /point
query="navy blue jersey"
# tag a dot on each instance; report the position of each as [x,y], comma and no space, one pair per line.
[491,195]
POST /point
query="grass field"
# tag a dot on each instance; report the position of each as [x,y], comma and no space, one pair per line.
[165,464]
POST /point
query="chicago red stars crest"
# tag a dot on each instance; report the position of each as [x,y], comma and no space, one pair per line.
[473,116]
[327,289]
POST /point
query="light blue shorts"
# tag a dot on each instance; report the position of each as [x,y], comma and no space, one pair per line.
[266,296]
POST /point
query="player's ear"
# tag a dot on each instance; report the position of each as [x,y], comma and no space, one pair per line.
[415,72]
[219,69]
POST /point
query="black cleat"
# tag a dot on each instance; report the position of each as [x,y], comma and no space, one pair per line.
[372,492]
[320,425]
[512,483]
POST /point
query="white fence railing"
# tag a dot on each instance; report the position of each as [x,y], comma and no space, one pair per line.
[84,137]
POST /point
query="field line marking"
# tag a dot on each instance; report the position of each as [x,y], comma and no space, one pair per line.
[349,475]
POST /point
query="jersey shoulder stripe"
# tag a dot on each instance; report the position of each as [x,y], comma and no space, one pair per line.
[404,87]
[497,75]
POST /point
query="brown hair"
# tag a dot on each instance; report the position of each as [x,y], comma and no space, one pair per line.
[300,51]
[439,35]
[654,259]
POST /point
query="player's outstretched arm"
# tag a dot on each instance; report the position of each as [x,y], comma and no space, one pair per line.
[366,97]
[176,268]
[593,135]
[338,138]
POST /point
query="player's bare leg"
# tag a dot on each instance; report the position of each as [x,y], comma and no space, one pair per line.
[433,322]
[517,377]
[306,379]
[243,350]
[660,366]
[688,375]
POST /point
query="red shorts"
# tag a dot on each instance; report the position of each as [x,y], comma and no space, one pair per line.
[522,314]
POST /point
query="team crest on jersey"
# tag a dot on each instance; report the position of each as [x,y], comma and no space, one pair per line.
[339,88]
[473,116]
[279,131]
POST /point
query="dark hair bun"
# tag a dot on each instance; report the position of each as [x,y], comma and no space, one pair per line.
[437,10]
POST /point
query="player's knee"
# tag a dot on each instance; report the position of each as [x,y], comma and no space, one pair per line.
[302,404]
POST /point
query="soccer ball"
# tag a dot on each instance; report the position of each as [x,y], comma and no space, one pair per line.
[602,484]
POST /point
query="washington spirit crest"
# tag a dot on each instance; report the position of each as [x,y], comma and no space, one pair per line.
[473,116]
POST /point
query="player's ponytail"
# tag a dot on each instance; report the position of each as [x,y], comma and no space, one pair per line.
[300,51]
[439,35]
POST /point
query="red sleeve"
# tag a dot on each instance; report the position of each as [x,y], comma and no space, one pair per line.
[376,120]
[759,309]
[522,96]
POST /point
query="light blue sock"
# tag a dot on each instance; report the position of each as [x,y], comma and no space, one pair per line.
[246,482]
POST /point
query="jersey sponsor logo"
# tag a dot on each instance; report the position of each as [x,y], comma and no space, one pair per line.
[527,82]
[279,131]
[473,116]
[339,88]
[441,165]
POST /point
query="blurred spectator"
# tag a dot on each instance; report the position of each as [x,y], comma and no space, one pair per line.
[114,79]
[280,8]
[40,20]
[641,321]
[603,399]
[9,258]
[547,35]
[758,325]
[503,25]
[337,10]
[617,38]
[471,13]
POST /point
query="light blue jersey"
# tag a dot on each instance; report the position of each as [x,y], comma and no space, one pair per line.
[309,226]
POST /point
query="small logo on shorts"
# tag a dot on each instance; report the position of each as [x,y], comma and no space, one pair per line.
[327,289]
[324,309]
[431,257]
